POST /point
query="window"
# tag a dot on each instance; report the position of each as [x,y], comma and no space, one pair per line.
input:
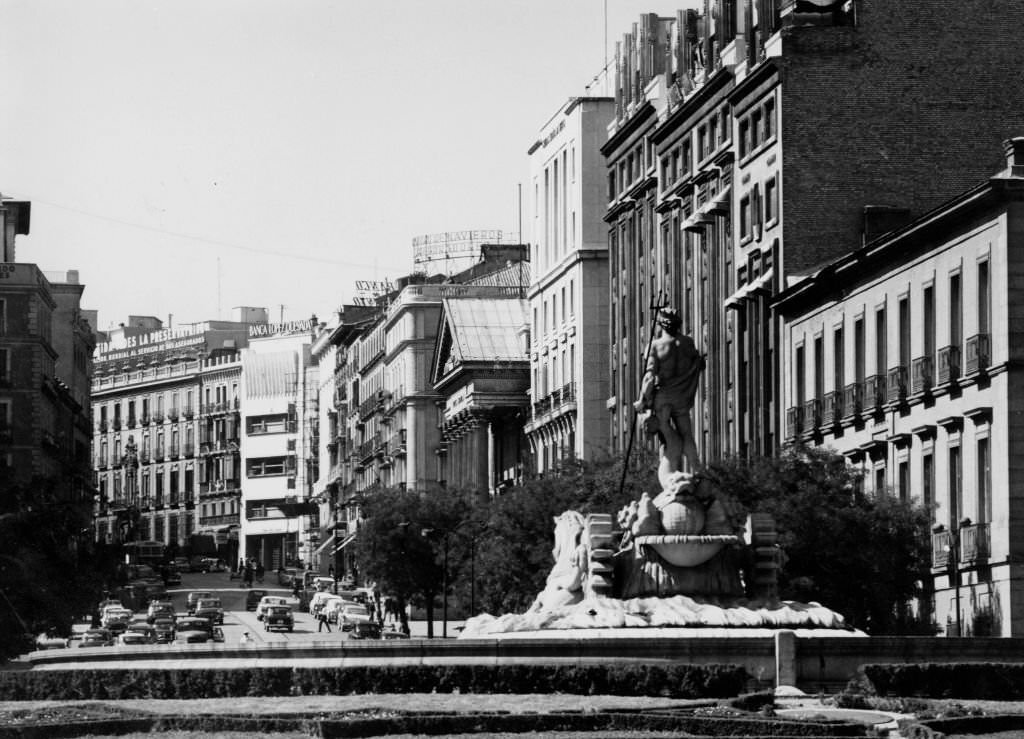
[5,366]
[880,479]
[745,221]
[858,350]
[955,488]
[819,366]
[904,318]
[771,200]
[880,342]
[984,298]
[744,134]
[563,305]
[928,479]
[929,322]
[769,119]
[800,388]
[572,298]
[838,360]
[3,316]
[903,473]
[955,312]
[266,466]
[984,481]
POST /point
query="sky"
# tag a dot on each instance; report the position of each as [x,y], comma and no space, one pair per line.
[190,156]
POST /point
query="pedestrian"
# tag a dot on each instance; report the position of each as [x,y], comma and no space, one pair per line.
[247,576]
[259,572]
[324,623]
[246,639]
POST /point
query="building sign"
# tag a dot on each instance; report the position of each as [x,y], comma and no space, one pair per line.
[553,132]
[264,330]
[370,291]
[151,342]
[452,244]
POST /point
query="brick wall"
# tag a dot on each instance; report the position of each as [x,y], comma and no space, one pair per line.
[909,109]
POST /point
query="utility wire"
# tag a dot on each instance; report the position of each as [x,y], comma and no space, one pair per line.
[214,242]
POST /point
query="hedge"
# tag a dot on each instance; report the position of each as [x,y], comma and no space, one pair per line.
[444,724]
[983,680]
[675,681]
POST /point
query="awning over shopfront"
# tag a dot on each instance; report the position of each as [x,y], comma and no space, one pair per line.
[327,543]
[348,540]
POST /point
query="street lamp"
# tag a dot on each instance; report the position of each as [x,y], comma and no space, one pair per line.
[444,578]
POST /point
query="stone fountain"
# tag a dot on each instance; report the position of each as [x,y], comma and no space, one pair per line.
[688,558]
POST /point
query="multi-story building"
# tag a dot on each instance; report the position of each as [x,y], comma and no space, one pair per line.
[280,526]
[902,355]
[733,164]
[45,368]
[568,296]
[165,443]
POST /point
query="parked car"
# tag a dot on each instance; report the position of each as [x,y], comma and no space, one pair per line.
[352,614]
[213,564]
[209,608]
[393,634]
[365,630]
[266,602]
[171,575]
[317,601]
[279,617]
[253,598]
[193,630]
[96,638]
[164,630]
[286,577]
[116,619]
[139,634]
[194,597]
[323,584]
[181,564]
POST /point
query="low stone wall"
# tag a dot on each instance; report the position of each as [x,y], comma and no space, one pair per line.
[828,664]
[812,663]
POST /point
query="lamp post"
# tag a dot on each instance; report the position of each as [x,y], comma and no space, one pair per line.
[444,578]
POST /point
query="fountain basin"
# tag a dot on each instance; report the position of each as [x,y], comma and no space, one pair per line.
[687,550]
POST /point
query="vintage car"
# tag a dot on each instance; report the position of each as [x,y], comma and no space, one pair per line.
[138,634]
[96,638]
[116,619]
[193,630]
[266,602]
[365,630]
[47,641]
[319,600]
[279,617]
[393,634]
[164,628]
[352,614]
[194,597]
[209,608]
[253,598]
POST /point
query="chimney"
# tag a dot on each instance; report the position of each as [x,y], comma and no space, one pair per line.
[1014,149]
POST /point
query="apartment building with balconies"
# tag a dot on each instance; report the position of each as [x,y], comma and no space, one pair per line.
[733,165]
[903,357]
[569,293]
[165,442]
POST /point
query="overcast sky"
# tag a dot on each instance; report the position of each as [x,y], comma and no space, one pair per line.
[292,146]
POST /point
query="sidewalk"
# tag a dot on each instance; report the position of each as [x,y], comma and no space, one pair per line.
[418,629]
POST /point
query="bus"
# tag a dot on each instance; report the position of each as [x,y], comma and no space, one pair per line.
[150,553]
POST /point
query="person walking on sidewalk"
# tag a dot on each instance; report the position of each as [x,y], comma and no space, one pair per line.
[324,623]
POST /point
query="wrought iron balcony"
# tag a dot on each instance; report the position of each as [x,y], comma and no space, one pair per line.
[831,408]
[975,544]
[158,417]
[172,415]
[144,418]
[852,399]
[949,364]
[942,546]
[978,354]
[922,375]
[117,424]
[130,422]
[896,384]
[812,415]
[188,412]
[794,421]
[874,392]
[103,426]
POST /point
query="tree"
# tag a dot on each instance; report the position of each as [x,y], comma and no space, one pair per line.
[863,556]
[51,572]
[400,542]
[514,557]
